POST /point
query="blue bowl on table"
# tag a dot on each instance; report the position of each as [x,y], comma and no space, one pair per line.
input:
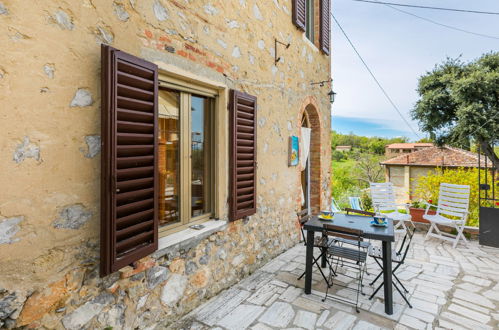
[326,215]
[379,221]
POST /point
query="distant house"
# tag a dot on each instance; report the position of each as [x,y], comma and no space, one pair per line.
[343,148]
[396,149]
[404,170]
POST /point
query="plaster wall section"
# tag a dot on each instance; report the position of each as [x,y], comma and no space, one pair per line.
[50,159]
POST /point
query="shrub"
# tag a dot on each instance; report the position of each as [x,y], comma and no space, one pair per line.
[338,156]
[428,187]
[367,202]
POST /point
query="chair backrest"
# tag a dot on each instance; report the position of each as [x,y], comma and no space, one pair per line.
[406,243]
[343,232]
[383,196]
[303,216]
[355,203]
[334,206]
[453,200]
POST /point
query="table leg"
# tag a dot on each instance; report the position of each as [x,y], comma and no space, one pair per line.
[308,261]
[323,259]
[387,276]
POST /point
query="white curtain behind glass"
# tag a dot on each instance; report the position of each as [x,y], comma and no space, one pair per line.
[304,153]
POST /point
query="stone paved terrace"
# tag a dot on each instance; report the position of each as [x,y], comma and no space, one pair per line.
[449,289]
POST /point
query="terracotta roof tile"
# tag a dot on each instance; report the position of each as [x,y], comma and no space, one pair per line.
[437,156]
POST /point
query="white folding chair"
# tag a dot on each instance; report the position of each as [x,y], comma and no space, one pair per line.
[355,203]
[453,200]
[383,198]
[334,206]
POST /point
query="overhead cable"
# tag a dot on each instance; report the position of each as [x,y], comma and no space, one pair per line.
[374,77]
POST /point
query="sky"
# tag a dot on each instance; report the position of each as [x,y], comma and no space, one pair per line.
[399,49]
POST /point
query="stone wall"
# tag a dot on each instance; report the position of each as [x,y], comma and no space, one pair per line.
[50,160]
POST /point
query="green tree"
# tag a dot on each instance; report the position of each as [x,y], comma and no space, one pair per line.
[338,156]
[374,144]
[368,168]
[460,101]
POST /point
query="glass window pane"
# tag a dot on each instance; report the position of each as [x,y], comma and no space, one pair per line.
[169,157]
[309,29]
[200,155]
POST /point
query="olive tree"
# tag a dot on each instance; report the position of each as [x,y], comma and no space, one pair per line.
[459,103]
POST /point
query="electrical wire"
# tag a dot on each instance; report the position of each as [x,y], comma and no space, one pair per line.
[429,7]
[440,24]
[374,77]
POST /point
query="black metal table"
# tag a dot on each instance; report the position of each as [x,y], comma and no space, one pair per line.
[383,234]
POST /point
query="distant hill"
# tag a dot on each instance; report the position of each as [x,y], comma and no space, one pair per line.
[374,145]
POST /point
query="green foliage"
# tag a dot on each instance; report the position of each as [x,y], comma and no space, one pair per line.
[374,145]
[368,168]
[428,187]
[460,101]
[353,170]
[351,178]
[425,140]
[338,155]
[367,202]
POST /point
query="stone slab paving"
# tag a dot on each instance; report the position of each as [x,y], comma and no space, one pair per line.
[448,288]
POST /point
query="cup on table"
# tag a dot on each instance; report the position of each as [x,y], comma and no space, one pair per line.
[327,214]
[379,219]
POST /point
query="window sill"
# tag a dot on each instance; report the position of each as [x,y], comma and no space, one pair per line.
[187,238]
[310,43]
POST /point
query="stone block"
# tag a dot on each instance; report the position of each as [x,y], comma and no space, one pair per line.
[340,321]
[72,216]
[305,320]
[156,275]
[174,289]
[140,266]
[279,315]
[82,98]
[220,306]
[9,227]
[26,149]
[82,315]
[241,317]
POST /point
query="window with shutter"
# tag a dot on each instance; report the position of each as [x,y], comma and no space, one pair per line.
[299,14]
[129,185]
[243,166]
[325,26]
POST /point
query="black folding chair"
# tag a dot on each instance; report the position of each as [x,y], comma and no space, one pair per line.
[351,257]
[398,257]
[319,242]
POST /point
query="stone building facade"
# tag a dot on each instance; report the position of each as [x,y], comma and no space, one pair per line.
[405,170]
[50,95]
[397,149]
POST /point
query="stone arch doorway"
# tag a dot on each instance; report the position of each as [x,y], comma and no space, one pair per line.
[310,176]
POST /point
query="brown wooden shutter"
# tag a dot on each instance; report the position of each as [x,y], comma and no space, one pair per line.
[129,187]
[325,32]
[299,14]
[243,166]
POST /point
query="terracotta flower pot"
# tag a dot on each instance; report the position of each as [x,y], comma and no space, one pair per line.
[417,214]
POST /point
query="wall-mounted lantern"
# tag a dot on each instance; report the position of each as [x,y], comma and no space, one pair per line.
[331,93]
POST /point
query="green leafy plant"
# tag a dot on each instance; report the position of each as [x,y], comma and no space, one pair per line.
[428,187]
[367,202]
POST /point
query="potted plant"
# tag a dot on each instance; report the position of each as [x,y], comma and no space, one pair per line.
[418,209]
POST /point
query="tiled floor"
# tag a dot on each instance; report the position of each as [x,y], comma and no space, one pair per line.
[449,288]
